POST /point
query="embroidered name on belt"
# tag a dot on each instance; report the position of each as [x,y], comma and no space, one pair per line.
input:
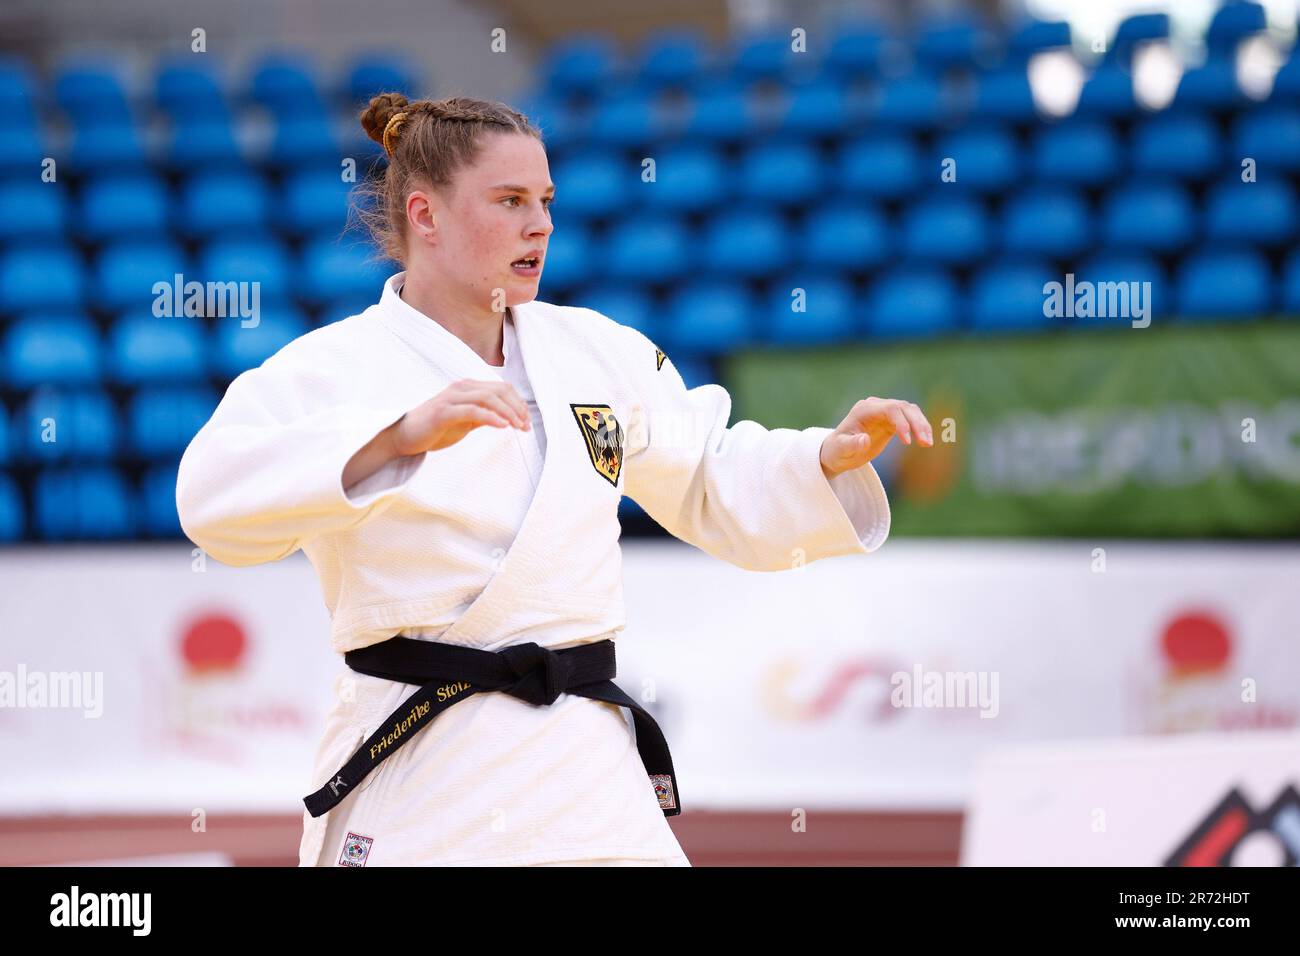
[604,437]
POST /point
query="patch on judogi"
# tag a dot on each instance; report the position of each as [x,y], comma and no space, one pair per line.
[663,785]
[659,359]
[355,850]
[604,437]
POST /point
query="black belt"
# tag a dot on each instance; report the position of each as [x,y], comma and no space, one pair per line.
[449,673]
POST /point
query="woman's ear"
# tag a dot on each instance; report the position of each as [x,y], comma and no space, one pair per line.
[419,215]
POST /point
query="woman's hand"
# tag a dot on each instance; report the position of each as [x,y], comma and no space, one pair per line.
[441,421]
[456,411]
[867,429]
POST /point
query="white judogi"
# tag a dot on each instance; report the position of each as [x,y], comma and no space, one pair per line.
[505,537]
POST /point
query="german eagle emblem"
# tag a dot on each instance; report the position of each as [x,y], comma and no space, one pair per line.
[604,437]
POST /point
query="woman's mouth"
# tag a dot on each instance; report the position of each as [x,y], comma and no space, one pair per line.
[530,266]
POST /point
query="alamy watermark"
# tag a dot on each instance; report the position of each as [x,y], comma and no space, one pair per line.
[73,690]
[220,299]
[1098,300]
[946,689]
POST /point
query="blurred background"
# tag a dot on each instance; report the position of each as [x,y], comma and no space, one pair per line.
[1066,229]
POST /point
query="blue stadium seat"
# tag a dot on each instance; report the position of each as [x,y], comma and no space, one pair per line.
[749,243]
[1224,283]
[157,502]
[954,42]
[1004,96]
[583,63]
[147,348]
[708,317]
[858,48]
[626,306]
[912,302]
[88,503]
[560,125]
[1262,212]
[1109,267]
[1270,136]
[946,231]
[127,272]
[224,201]
[91,91]
[261,260]
[648,250]
[286,85]
[12,511]
[333,270]
[820,108]
[1291,285]
[1076,153]
[1046,222]
[199,143]
[828,310]
[917,101]
[626,118]
[162,421]
[1232,23]
[1153,217]
[850,238]
[1107,94]
[59,425]
[1035,36]
[764,55]
[376,73]
[1133,30]
[722,113]
[45,277]
[32,211]
[687,179]
[1182,146]
[571,257]
[54,349]
[21,149]
[671,58]
[596,182]
[19,93]
[1211,86]
[1286,82]
[1009,295]
[238,348]
[300,139]
[116,207]
[188,91]
[880,166]
[782,174]
[101,146]
[987,158]
[315,201]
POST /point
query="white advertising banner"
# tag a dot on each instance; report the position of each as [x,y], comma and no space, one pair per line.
[1190,800]
[131,681]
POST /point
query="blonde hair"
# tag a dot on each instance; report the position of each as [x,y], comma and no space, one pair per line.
[427,142]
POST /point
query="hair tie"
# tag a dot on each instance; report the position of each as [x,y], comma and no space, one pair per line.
[391,128]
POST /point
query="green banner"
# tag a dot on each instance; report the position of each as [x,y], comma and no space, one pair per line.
[1186,431]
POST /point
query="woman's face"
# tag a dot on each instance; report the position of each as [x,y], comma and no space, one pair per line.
[496,213]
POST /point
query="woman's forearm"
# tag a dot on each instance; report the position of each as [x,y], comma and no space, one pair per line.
[376,453]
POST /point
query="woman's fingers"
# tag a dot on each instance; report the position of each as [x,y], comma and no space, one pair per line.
[920,424]
[901,427]
[501,396]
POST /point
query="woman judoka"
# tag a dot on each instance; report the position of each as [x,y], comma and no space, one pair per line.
[451,461]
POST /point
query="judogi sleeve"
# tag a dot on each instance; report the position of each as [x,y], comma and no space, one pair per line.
[265,474]
[754,497]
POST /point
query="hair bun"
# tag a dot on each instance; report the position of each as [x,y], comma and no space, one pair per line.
[382,108]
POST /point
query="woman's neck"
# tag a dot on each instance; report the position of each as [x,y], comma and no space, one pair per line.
[480,329]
